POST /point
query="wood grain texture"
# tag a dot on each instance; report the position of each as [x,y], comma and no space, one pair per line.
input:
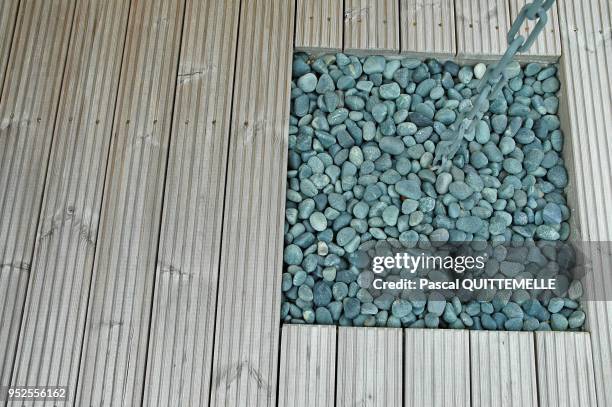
[184,302]
[55,310]
[245,365]
[28,108]
[586,68]
[428,28]
[319,25]
[8,19]
[307,376]
[482,27]
[112,369]
[565,369]
[547,47]
[437,368]
[503,369]
[371,26]
[369,371]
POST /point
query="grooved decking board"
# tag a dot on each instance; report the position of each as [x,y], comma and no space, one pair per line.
[245,364]
[318,25]
[369,371]
[184,302]
[586,66]
[503,369]
[28,108]
[371,26]
[307,376]
[437,364]
[8,18]
[547,47]
[482,27]
[428,28]
[565,369]
[112,369]
[55,309]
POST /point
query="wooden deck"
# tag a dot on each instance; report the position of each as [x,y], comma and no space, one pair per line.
[143,148]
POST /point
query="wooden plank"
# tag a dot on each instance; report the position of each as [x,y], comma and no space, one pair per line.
[112,369]
[307,376]
[55,308]
[428,28]
[182,327]
[369,367]
[482,27]
[503,369]
[8,18]
[547,47]
[318,25]
[28,107]
[437,364]
[245,365]
[585,29]
[565,369]
[54,313]
[371,26]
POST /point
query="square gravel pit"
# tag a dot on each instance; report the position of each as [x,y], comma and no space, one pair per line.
[370,175]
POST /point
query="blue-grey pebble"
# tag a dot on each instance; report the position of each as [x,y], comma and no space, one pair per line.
[389,91]
[293,255]
[322,294]
[374,64]
[308,82]
[345,235]
[409,189]
[351,307]
[436,304]
[392,145]
[323,316]
[558,322]
[318,221]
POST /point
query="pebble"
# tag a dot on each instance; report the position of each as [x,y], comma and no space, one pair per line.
[392,145]
[514,324]
[436,304]
[551,85]
[558,322]
[401,308]
[575,290]
[345,235]
[557,175]
[512,166]
[409,189]
[576,319]
[532,69]
[460,190]
[308,82]
[351,307]
[390,215]
[555,305]
[547,232]
[322,294]
[293,255]
[325,84]
[551,213]
[318,221]
[389,91]
[379,112]
[479,70]
[443,183]
[374,64]
[513,310]
[323,316]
